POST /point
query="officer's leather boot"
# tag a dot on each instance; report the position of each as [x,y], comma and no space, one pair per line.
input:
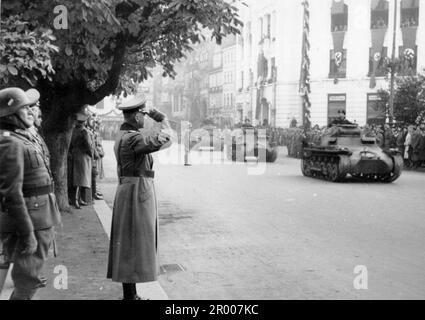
[80,200]
[76,197]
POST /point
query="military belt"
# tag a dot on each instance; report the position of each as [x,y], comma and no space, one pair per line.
[145,174]
[37,191]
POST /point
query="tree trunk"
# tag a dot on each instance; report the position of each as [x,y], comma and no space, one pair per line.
[58,145]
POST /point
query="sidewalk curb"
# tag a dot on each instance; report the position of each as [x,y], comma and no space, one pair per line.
[8,287]
[149,290]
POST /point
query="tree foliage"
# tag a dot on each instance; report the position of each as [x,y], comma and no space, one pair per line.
[409,98]
[25,54]
[109,46]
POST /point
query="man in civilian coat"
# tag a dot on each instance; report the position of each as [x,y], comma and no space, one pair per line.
[134,234]
[418,145]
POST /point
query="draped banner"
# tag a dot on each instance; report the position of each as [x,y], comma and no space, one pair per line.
[258,103]
[262,71]
[304,86]
[338,48]
[339,24]
[378,37]
[409,45]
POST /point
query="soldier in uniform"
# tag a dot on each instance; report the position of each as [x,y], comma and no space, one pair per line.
[186,129]
[134,234]
[340,120]
[29,209]
[81,150]
[97,154]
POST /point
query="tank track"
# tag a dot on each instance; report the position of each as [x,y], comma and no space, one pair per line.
[327,167]
[332,168]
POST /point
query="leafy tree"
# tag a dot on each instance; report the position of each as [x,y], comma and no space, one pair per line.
[107,48]
[409,98]
[25,52]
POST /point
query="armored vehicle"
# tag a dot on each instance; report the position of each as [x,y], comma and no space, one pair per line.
[344,151]
[207,138]
[252,144]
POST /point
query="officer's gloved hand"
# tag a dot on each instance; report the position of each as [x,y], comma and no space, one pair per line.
[28,244]
[156,115]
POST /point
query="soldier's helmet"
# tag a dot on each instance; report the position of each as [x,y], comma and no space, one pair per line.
[11,100]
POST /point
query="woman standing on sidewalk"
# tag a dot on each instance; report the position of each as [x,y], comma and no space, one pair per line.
[134,236]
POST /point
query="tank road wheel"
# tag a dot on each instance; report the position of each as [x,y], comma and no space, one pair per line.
[305,168]
[356,176]
[398,168]
[333,172]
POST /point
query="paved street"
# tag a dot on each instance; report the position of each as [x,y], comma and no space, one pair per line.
[225,234]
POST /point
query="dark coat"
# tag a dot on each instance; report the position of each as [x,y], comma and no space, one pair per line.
[388,139]
[81,153]
[418,146]
[134,235]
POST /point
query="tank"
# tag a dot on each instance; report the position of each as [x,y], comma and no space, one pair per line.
[207,138]
[344,151]
[248,145]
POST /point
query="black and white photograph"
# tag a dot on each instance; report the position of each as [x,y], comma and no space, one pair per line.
[189,151]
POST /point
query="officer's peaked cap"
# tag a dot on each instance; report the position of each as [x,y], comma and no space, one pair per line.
[138,101]
[83,115]
[11,100]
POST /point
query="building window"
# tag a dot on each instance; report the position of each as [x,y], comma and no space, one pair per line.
[376,112]
[249,34]
[409,13]
[269,25]
[260,22]
[251,77]
[381,70]
[338,64]
[379,14]
[339,17]
[336,102]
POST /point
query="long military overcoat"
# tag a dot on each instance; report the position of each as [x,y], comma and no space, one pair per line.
[82,153]
[134,234]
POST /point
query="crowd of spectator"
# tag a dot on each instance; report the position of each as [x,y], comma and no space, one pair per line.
[379,23]
[109,130]
[341,27]
[409,22]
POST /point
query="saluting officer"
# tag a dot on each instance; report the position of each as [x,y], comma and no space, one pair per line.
[134,234]
[29,209]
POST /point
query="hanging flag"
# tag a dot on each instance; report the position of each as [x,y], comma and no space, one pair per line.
[339,28]
[378,37]
[409,46]
[304,85]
